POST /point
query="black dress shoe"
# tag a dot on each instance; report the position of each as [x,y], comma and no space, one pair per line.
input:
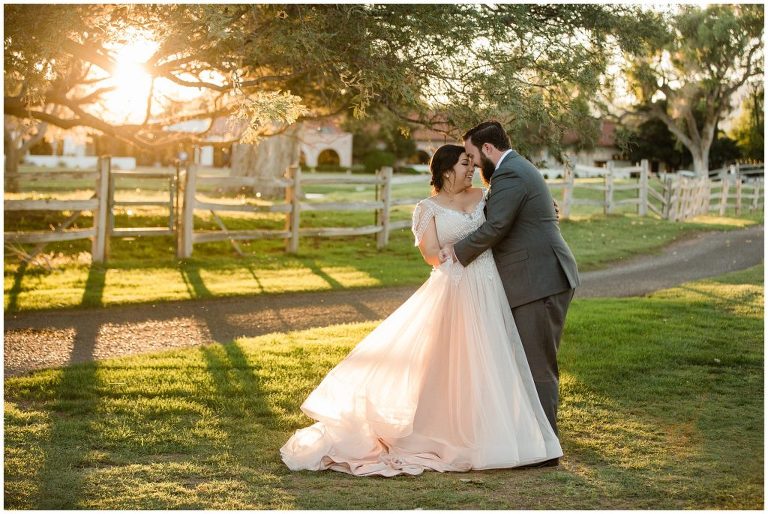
[551,463]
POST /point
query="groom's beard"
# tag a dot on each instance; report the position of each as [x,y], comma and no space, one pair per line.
[486,169]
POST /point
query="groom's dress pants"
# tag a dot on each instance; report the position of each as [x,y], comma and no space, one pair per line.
[540,324]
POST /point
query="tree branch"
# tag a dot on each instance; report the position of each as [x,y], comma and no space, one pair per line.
[89,55]
[93,96]
[149,101]
[32,141]
[747,74]
[188,83]
[657,111]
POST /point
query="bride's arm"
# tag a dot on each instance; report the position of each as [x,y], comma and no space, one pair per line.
[429,245]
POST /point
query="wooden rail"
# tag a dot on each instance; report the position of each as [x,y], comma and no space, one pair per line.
[97,204]
[170,176]
[608,203]
[292,208]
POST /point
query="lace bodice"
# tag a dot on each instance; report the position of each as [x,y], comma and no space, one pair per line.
[452,225]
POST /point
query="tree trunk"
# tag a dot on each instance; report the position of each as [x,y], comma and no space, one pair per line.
[700,162]
[15,150]
[12,159]
[268,159]
[11,170]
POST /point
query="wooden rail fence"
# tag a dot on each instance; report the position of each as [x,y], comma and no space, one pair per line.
[686,197]
[609,203]
[672,197]
[97,204]
[292,207]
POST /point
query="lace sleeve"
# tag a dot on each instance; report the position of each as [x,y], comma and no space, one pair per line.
[422,215]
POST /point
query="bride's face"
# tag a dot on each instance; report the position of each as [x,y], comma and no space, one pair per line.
[463,171]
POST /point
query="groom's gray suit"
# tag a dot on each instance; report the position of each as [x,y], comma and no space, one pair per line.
[536,266]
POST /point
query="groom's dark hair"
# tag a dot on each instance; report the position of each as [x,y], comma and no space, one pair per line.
[488,132]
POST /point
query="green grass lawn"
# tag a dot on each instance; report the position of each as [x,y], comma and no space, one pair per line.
[144,270]
[662,408]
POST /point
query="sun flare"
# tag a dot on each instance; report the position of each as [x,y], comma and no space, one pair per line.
[132,83]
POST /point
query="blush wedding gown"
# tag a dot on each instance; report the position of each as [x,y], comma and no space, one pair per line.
[441,384]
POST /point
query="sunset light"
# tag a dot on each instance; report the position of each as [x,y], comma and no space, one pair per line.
[128,102]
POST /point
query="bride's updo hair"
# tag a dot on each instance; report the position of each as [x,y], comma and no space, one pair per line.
[444,159]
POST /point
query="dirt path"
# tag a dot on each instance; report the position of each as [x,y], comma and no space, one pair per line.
[56,338]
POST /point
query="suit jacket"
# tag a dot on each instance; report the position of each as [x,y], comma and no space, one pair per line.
[521,227]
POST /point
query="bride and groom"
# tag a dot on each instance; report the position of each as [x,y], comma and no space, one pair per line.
[463,375]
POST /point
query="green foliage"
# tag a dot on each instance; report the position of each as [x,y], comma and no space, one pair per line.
[383,131]
[661,408]
[376,159]
[533,67]
[687,77]
[724,151]
[652,140]
[749,128]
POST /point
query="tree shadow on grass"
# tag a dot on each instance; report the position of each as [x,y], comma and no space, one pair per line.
[61,478]
[250,426]
[728,302]
[13,294]
[652,402]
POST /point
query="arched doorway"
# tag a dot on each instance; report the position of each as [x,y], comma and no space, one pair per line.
[328,158]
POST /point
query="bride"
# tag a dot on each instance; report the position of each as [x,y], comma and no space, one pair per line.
[441,384]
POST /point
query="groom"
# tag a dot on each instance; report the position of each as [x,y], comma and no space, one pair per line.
[536,266]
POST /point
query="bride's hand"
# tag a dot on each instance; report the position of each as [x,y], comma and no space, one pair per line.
[446,253]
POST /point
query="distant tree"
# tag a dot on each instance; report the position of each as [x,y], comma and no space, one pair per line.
[689,76]
[653,140]
[19,135]
[750,126]
[724,151]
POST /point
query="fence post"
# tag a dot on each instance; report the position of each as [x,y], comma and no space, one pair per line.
[98,247]
[568,183]
[172,185]
[755,195]
[688,188]
[676,203]
[188,211]
[608,205]
[738,195]
[178,191]
[110,225]
[111,205]
[724,191]
[196,152]
[706,195]
[666,206]
[293,217]
[706,191]
[645,170]
[382,237]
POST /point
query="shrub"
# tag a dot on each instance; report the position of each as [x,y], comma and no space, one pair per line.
[377,159]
